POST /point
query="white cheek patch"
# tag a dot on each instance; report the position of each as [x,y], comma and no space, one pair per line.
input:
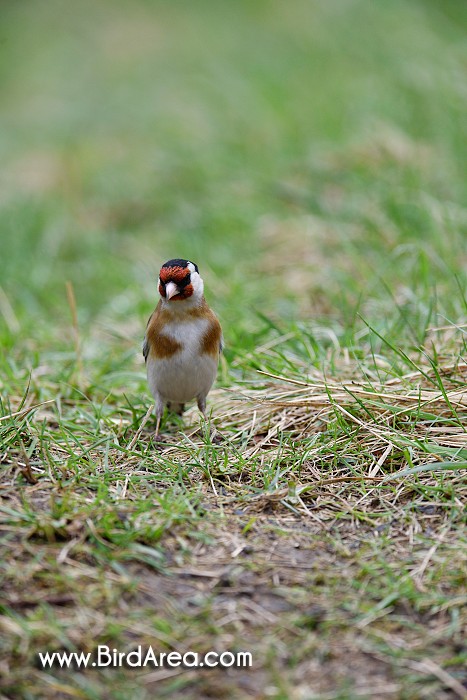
[197,283]
[191,267]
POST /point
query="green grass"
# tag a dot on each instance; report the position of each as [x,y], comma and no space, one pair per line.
[310,157]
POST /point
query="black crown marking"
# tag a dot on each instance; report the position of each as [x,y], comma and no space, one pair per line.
[179,262]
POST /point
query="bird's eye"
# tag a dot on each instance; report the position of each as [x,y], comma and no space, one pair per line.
[185,281]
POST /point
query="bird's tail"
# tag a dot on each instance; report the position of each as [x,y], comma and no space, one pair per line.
[177,408]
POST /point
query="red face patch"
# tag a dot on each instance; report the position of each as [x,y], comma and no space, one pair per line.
[173,274]
[179,275]
[185,293]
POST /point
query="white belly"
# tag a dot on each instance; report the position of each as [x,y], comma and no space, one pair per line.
[188,373]
[182,377]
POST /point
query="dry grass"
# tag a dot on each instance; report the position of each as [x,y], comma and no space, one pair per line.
[324,536]
[310,157]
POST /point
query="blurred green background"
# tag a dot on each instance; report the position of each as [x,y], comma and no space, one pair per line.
[309,156]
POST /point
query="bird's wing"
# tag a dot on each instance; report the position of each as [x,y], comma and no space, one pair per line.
[145,348]
[146,341]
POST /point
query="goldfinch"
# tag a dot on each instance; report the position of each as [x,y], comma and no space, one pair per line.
[183,341]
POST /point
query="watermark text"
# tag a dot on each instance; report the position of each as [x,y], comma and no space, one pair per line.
[143,657]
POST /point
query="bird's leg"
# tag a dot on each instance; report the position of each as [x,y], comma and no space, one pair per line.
[202,406]
[216,437]
[159,412]
[158,423]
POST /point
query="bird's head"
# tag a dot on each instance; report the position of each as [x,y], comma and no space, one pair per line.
[179,280]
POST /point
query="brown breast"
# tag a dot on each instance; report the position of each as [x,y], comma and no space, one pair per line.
[161,346]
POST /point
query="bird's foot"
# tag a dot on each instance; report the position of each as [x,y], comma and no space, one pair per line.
[216,437]
[159,442]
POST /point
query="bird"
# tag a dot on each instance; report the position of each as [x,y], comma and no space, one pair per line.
[183,341]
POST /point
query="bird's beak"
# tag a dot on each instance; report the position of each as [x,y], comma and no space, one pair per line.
[171,290]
